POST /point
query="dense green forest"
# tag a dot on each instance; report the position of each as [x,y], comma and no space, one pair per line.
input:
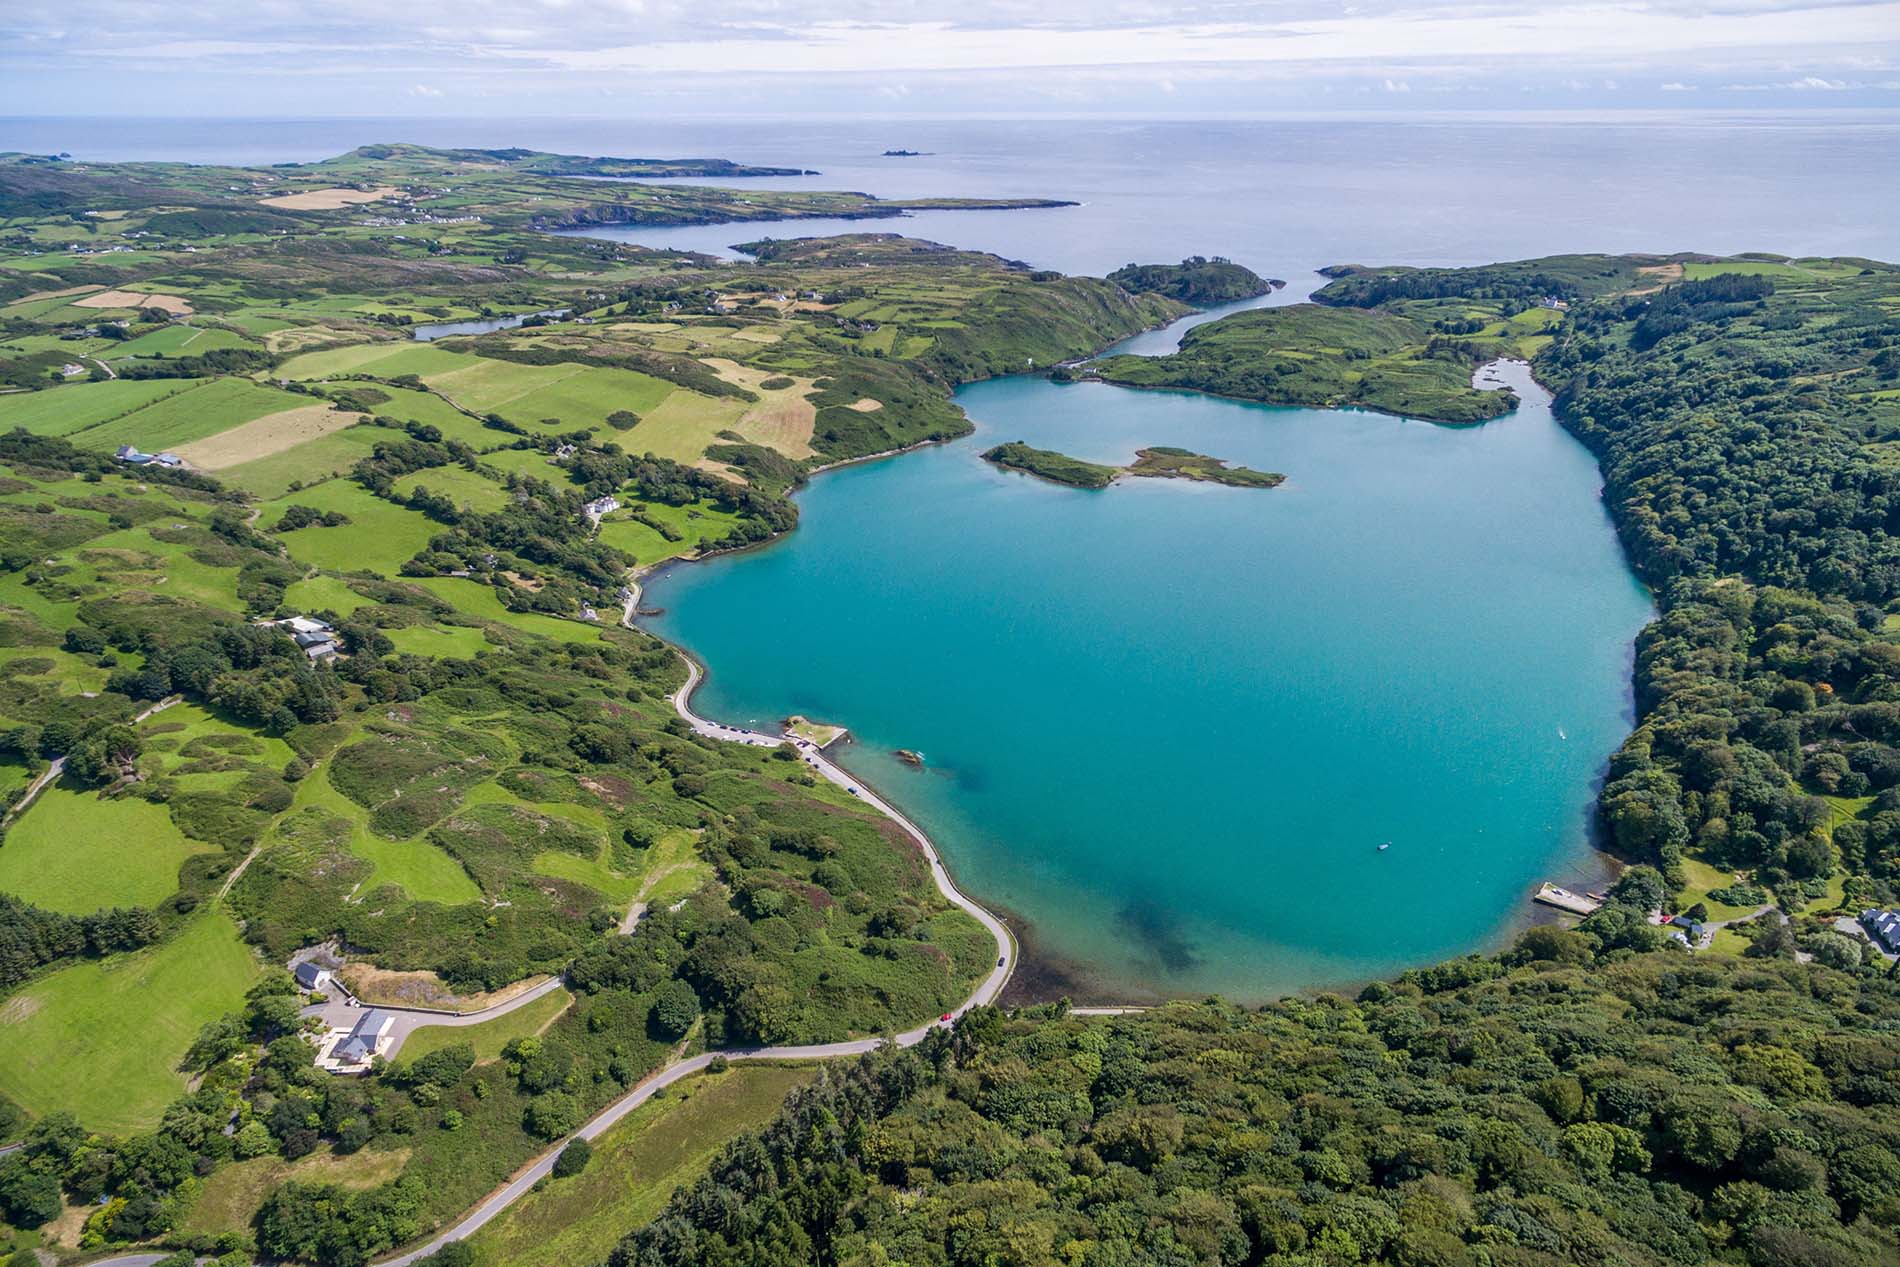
[1743,421]
[1196,280]
[1564,1103]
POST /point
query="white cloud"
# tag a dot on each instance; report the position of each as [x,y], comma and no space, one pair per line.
[985,55]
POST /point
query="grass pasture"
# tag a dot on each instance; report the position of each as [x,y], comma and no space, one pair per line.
[637,1166]
[480,601]
[380,536]
[233,1193]
[582,396]
[214,406]
[313,461]
[61,411]
[420,869]
[489,1037]
[265,437]
[77,852]
[467,489]
[103,1038]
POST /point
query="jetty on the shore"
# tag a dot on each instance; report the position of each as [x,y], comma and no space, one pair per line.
[1564,900]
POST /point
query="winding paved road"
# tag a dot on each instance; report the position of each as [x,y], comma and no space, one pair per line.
[986,991]
[409,1019]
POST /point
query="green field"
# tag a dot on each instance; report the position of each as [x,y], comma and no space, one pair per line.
[78,852]
[317,459]
[584,396]
[489,1037]
[442,641]
[384,360]
[468,489]
[103,1038]
[479,600]
[176,339]
[380,536]
[64,410]
[323,593]
[217,405]
[231,1195]
[667,1142]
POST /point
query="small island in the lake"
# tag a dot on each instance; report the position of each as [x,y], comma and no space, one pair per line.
[1159,462]
[1196,280]
[903,153]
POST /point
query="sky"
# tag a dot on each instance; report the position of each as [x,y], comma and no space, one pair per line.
[478,58]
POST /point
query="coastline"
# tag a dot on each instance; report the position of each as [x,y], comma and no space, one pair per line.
[1045,978]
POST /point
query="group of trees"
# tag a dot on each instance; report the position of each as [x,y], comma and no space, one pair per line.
[1730,418]
[1561,1103]
[32,938]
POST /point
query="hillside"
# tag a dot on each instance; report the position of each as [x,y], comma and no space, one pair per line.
[1196,280]
[1535,1109]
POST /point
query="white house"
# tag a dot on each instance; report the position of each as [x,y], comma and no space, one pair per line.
[352,1050]
[312,976]
[600,508]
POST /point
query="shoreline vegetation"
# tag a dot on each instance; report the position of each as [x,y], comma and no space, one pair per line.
[1198,281]
[1159,462]
[476,779]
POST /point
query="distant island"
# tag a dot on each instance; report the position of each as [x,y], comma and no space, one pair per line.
[1199,280]
[1159,462]
[903,154]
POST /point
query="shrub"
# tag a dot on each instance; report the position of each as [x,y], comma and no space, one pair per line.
[573,1159]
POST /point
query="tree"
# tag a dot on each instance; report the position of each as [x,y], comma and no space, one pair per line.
[573,1159]
[552,1114]
[675,1009]
[28,1197]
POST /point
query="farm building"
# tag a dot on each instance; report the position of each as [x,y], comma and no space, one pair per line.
[316,637]
[133,457]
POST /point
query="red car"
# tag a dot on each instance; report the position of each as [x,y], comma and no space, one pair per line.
[944,1017]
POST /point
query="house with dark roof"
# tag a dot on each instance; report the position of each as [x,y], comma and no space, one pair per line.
[312,977]
[1884,928]
[368,1040]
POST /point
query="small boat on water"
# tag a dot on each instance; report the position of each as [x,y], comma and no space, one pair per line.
[1561,734]
[1387,845]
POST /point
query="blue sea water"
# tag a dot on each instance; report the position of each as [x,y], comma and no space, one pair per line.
[1166,725]
[1169,724]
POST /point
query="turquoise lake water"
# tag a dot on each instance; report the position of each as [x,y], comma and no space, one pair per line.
[1168,725]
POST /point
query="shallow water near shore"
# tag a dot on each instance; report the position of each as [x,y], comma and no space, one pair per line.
[1170,724]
